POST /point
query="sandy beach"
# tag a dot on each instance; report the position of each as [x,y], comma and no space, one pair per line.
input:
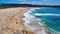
[11,20]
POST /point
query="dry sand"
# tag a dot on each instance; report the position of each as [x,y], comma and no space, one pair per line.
[11,19]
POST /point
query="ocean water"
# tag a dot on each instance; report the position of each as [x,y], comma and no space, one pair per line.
[50,16]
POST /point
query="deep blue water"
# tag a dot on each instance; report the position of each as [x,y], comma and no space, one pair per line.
[51,21]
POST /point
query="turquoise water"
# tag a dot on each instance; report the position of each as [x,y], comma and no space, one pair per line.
[50,16]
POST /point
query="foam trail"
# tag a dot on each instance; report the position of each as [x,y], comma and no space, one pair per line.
[47,14]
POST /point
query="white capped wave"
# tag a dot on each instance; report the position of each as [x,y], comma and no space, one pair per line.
[47,14]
